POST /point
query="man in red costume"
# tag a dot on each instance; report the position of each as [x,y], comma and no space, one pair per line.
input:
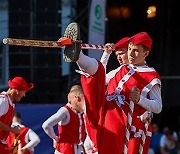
[107,109]
[71,126]
[17,90]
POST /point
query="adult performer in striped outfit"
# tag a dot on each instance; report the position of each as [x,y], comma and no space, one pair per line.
[107,109]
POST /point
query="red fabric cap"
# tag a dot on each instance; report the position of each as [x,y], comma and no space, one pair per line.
[122,43]
[142,38]
[20,84]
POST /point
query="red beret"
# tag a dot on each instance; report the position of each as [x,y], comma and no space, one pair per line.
[122,43]
[20,84]
[142,38]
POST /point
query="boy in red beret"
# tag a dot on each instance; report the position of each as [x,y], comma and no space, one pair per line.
[108,109]
[120,49]
[17,90]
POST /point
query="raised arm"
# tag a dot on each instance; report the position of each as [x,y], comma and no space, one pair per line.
[106,54]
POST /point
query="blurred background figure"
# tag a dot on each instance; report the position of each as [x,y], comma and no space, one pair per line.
[27,138]
[151,151]
[155,139]
[168,141]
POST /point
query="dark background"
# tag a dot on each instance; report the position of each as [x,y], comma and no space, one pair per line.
[34,19]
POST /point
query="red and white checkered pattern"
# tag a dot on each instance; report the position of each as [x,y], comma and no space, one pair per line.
[143,138]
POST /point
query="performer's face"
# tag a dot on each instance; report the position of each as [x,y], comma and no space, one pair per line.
[18,95]
[76,100]
[121,55]
[136,54]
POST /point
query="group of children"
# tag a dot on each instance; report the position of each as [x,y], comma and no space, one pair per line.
[107,113]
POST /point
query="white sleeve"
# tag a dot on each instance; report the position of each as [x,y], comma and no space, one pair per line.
[104,59]
[87,64]
[48,125]
[34,140]
[4,106]
[175,135]
[154,103]
[162,141]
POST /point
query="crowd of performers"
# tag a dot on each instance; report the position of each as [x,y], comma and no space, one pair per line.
[108,113]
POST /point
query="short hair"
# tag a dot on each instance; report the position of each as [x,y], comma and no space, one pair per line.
[76,86]
[76,89]
[145,48]
[17,115]
[169,132]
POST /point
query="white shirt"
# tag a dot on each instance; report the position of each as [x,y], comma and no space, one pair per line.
[104,59]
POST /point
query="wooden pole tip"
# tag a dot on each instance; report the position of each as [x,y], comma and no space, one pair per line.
[5,40]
